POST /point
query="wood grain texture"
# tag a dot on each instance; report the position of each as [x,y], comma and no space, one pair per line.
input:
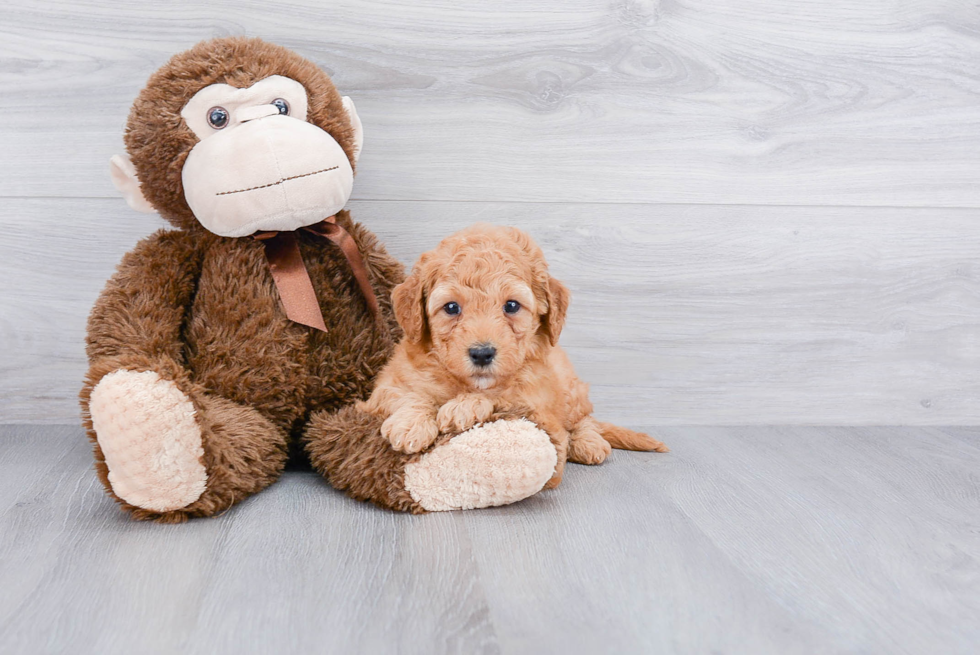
[680,314]
[741,540]
[689,101]
[577,121]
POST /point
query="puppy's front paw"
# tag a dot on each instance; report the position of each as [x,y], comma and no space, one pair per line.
[410,429]
[463,412]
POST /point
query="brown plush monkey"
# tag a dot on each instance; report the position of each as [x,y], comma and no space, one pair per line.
[199,380]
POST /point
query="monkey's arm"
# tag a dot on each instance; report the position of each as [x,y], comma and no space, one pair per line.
[137,321]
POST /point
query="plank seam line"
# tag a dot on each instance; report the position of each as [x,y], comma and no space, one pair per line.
[569,202]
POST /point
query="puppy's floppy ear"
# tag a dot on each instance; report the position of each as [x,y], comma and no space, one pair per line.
[409,306]
[558,296]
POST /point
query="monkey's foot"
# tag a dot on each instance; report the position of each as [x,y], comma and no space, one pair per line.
[151,441]
[492,464]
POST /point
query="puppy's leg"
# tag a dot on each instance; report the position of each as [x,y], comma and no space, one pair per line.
[463,412]
[585,443]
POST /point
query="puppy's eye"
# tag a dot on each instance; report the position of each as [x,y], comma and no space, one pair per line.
[281,105]
[217,117]
[512,306]
[451,308]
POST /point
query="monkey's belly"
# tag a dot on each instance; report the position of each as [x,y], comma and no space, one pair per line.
[240,345]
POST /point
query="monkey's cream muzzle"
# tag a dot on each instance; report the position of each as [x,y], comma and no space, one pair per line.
[269,173]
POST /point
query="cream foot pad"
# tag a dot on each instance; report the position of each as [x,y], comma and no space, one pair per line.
[492,464]
[152,444]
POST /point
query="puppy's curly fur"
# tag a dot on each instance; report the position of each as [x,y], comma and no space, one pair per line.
[482,317]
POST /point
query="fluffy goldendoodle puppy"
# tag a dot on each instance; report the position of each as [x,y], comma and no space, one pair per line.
[482,317]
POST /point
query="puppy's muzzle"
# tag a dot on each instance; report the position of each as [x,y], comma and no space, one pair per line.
[482,355]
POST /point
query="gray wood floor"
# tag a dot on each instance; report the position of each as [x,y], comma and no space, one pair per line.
[742,540]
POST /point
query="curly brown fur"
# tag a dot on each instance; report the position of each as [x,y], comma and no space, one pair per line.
[455,302]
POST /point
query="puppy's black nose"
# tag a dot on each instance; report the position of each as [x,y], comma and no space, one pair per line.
[482,355]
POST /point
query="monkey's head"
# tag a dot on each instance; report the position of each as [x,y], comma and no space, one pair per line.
[239,135]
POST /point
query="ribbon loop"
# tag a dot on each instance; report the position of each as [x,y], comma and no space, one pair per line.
[293,280]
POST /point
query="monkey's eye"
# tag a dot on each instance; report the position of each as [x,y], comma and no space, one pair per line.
[217,117]
[512,306]
[281,105]
[451,308]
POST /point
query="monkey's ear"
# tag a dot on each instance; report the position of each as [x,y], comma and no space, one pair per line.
[123,175]
[409,304]
[355,122]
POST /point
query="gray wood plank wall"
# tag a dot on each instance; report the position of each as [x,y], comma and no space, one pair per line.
[768,212]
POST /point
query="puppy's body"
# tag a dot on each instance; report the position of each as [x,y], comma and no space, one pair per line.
[482,318]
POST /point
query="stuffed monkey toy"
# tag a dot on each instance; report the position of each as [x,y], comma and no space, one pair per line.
[265,315]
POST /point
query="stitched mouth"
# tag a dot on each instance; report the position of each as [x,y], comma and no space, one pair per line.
[285,179]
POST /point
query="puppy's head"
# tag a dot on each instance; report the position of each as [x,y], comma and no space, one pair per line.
[482,303]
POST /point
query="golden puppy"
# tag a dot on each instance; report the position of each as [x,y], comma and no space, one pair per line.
[482,317]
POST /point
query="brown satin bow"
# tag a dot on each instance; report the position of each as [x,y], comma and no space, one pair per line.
[293,280]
